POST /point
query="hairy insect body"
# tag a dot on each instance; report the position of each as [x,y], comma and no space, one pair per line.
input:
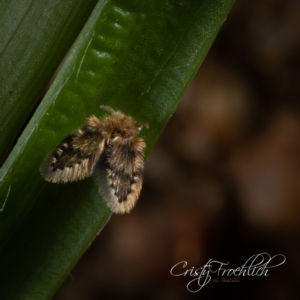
[110,150]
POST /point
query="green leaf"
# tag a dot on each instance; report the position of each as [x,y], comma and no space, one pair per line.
[134,56]
[34,37]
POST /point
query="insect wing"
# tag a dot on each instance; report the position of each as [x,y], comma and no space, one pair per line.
[75,157]
[119,175]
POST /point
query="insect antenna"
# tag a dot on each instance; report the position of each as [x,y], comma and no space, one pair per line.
[107,108]
[142,126]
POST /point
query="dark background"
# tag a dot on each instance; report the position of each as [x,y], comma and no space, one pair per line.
[223,180]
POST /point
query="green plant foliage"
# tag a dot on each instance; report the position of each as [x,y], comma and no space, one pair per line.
[134,56]
[34,37]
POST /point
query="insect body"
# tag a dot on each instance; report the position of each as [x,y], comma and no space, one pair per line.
[110,150]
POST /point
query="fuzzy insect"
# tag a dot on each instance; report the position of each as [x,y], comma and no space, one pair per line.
[110,150]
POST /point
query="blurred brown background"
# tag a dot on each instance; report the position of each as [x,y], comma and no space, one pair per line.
[223,181]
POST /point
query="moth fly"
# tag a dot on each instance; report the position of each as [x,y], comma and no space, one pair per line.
[110,150]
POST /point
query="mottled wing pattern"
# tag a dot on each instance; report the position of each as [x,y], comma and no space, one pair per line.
[75,157]
[120,175]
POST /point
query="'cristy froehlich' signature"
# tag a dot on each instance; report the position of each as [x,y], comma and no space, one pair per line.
[256,265]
